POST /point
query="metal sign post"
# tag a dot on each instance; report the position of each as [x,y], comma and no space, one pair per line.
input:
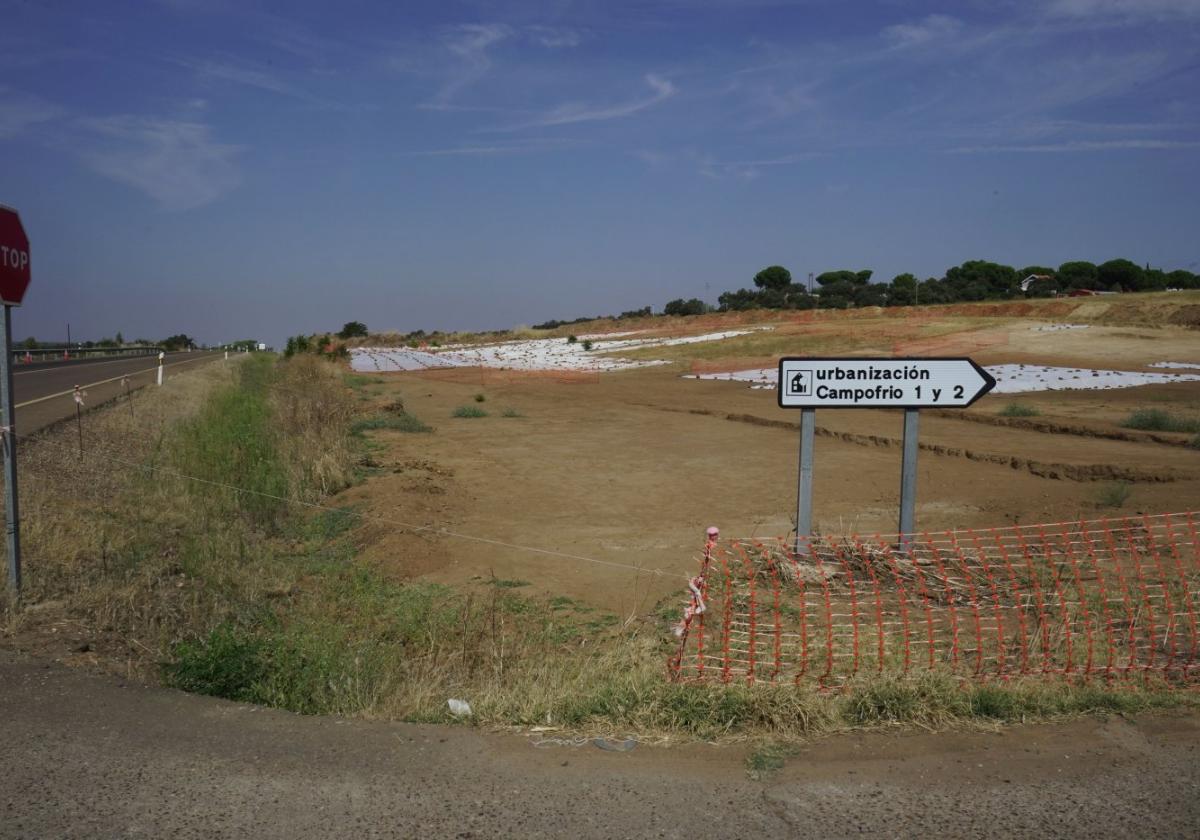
[908,477]
[808,427]
[809,383]
[12,520]
[14,280]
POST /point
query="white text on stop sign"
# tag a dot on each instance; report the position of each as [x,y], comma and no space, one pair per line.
[13,257]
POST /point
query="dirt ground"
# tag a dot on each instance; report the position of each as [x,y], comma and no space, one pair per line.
[629,468]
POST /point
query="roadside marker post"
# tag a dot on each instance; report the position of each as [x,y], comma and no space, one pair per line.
[161,356]
[812,382]
[14,280]
[79,395]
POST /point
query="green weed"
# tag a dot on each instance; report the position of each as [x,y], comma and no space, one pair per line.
[765,759]
[1158,420]
[400,422]
[469,411]
[1114,494]
[357,381]
[1018,410]
[232,442]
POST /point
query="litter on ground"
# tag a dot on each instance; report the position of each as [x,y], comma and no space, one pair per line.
[1060,327]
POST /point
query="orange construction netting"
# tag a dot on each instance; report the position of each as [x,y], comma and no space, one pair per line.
[1109,599]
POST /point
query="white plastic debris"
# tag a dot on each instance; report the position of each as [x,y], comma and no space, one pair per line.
[459,708]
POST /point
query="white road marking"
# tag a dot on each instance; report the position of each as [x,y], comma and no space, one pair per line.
[103,382]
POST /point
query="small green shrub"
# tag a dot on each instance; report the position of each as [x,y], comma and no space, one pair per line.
[469,411]
[1018,410]
[765,759]
[1114,495]
[511,412]
[1157,420]
[571,339]
[587,344]
[356,381]
[228,663]
[397,421]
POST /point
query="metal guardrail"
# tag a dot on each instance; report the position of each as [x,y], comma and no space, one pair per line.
[64,353]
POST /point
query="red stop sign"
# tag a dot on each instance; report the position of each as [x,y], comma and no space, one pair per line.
[14,258]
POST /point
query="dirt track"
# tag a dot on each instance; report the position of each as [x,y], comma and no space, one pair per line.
[87,756]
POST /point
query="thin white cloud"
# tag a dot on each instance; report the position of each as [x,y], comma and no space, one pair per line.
[470,44]
[748,169]
[576,112]
[1124,9]
[176,163]
[469,109]
[19,111]
[241,75]
[1082,146]
[494,149]
[470,41]
[931,28]
[553,37]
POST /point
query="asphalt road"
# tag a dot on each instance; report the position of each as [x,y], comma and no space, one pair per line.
[44,393]
[88,755]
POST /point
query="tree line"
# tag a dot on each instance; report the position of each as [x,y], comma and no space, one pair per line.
[974,280]
[324,344]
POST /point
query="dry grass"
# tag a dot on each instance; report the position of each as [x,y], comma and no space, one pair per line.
[313,411]
[133,557]
[245,596]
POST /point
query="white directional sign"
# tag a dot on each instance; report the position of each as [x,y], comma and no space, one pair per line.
[881,383]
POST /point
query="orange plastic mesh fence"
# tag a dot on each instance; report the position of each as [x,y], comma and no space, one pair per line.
[1112,599]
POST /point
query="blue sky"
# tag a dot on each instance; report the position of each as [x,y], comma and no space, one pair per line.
[236,169]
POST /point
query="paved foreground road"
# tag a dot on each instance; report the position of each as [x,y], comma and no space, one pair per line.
[83,755]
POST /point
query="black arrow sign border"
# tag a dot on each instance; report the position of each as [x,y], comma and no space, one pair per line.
[989,381]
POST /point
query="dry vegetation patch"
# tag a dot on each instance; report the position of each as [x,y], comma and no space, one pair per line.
[184,545]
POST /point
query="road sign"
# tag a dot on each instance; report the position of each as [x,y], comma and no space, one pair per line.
[14,280]
[809,383]
[819,382]
[14,258]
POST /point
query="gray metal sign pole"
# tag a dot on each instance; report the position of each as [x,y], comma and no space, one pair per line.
[808,425]
[908,477]
[12,522]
